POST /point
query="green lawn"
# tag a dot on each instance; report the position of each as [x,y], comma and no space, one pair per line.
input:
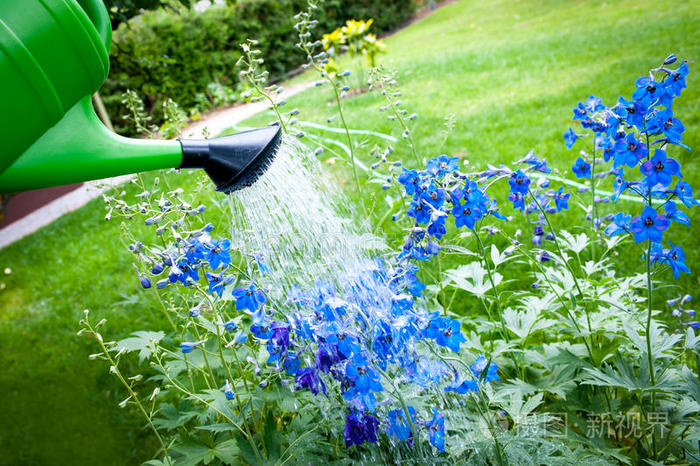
[511,80]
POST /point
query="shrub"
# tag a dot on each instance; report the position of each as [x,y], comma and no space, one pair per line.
[178,56]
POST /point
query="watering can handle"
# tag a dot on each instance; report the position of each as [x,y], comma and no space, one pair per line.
[97,12]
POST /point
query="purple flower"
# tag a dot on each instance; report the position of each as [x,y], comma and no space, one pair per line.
[649,226]
[359,428]
[660,169]
[307,377]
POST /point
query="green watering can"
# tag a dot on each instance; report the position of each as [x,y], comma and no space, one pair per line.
[54,54]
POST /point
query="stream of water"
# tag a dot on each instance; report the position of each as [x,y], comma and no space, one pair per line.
[299,225]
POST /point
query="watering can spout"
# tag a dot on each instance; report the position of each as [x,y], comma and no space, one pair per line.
[80,148]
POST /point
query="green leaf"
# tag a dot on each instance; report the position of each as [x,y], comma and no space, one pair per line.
[142,341]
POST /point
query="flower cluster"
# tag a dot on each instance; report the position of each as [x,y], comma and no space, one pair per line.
[531,197]
[635,135]
[358,339]
[437,192]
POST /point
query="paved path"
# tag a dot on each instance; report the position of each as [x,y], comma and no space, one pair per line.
[215,122]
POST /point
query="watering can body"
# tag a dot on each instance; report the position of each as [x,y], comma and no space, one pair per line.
[54,54]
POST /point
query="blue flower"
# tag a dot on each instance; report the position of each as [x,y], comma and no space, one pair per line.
[660,169]
[480,366]
[580,112]
[437,228]
[676,215]
[262,331]
[619,226]
[446,332]
[365,378]
[676,259]
[359,428]
[561,200]
[437,431]
[628,151]
[413,285]
[217,283]
[671,127]
[649,92]
[675,81]
[409,179]
[519,183]
[581,168]
[434,196]
[466,215]
[632,112]
[307,377]
[570,138]
[327,356]
[250,298]
[684,192]
[228,391]
[145,282]
[518,200]
[441,165]
[188,346]
[594,104]
[219,253]
[419,212]
[649,226]
[398,424]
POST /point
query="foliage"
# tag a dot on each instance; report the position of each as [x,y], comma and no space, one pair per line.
[356,39]
[187,56]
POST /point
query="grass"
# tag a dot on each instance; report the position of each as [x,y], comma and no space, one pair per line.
[510,72]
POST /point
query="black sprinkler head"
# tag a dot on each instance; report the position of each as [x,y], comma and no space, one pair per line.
[233,162]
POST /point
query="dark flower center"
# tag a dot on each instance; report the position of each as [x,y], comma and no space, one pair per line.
[674,255]
[467,211]
[631,146]
[361,370]
[217,250]
[448,332]
[631,110]
[669,123]
[659,166]
[248,293]
[648,221]
[651,88]
[443,165]
[676,76]
[519,180]
[434,196]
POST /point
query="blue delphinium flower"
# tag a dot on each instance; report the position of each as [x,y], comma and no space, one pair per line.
[675,81]
[519,183]
[218,253]
[580,112]
[581,168]
[228,391]
[570,138]
[561,199]
[188,346]
[629,151]
[437,430]
[419,211]
[466,215]
[410,180]
[649,225]
[446,332]
[441,165]
[398,424]
[250,298]
[660,169]
[359,428]
[480,365]
[676,215]
[675,257]
[620,225]
[684,192]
